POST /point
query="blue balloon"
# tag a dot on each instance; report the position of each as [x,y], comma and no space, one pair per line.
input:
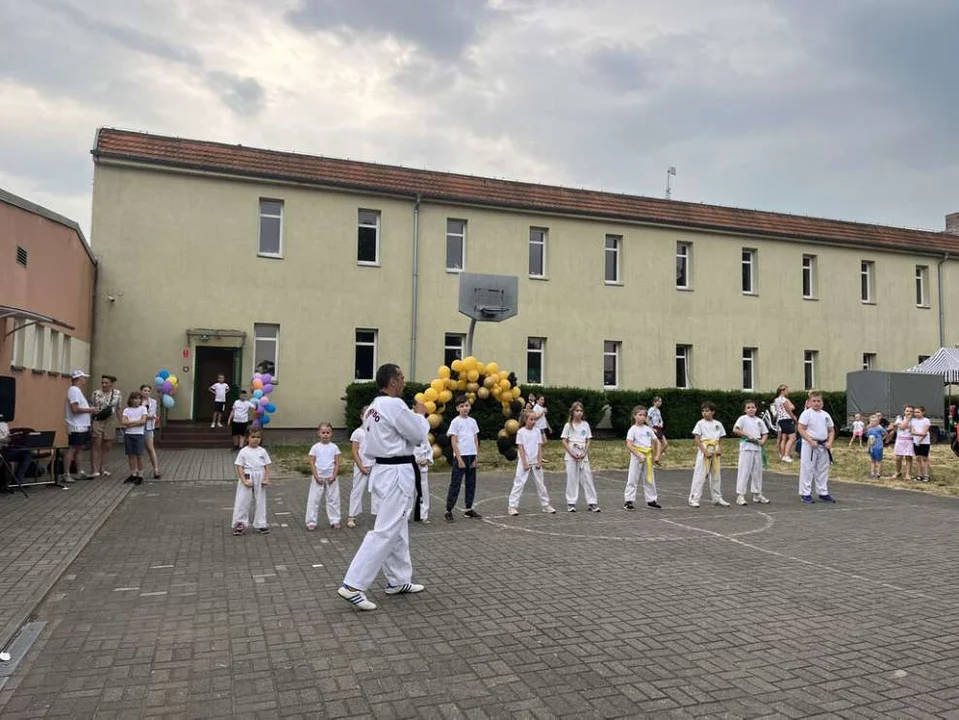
[257,394]
[168,401]
[271,408]
[164,374]
[265,420]
[158,381]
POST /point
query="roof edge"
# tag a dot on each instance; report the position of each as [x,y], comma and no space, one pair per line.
[31,207]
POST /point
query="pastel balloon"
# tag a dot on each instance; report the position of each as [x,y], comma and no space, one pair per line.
[158,381]
[271,408]
[257,394]
[164,374]
[264,401]
[265,420]
[266,378]
[257,375]
[267,387]
[167,386]
[257,384]
[168,401]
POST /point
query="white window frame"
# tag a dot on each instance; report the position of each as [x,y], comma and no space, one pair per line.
[810,269]
[454,236]
[39,347]
[262,214]
[922,285]
[52,365]
[749,366]
[275,339]
[810,368]
[617,252]
[684,260]
[375,262]
[541,352]
[66,351]
[543,241]
[683,354]
[357,344]
[18,351]
[750,257]
[447,346]
[869,361]
[613,349]
[867,282]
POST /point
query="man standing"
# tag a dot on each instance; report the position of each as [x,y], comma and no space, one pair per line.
[77,415]
[392,432]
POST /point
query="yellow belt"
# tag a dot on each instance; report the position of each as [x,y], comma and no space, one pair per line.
[648,452]
[712,462]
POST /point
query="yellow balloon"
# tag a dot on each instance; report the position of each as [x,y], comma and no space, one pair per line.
[173,379]
[437,452]
[440,409]
[445,396]
[503,375]
[430,394]
[461,384]
[469,363]
[456,365]
[443,372]
[471,398]
[502,434]
[480,368]
[516,392]
[504,384]
[420,397]
[430,406]
[430,438]
[511,426]
[438,384]
[489,381]
[492,368]
[472,387]
[482,393]
[496,392]
[506,413]
[434,420]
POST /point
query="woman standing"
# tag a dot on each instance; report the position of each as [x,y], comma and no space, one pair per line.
[786,420]
[151,405]
[108,402]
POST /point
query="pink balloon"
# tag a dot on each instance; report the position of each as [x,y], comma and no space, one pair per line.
[267,387]
[264,401]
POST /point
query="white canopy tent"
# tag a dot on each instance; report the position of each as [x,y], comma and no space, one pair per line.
[944,363]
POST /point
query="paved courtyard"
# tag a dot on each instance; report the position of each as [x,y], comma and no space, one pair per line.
[780,610]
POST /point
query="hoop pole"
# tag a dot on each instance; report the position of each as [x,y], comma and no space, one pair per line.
[469,337]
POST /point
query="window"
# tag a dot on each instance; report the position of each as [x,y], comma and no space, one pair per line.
[22,256]
[453,348]
[749,271]
[271,228]
[53,365]
[611,363]
[922,281]
[19,343]
[365,364]
[810,361]
[39,346]
[455,245]
[537,252]
[682,365]
[869,361]
[368,237]
[266,349]
[535,355]
[809,277]
[749,368]
[613,245]
[867,276]
[65,355]
[683,252]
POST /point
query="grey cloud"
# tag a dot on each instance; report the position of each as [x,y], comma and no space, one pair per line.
[244,95]
[621,67]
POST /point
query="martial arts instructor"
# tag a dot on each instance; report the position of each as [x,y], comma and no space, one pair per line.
[392,431]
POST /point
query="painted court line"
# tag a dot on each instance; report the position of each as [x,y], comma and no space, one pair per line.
[153,594]
[125,589]
[160,567]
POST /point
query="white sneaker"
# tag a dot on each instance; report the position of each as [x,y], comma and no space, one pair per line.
[741,500]
[213,425]
[693,503]
[787,459]
[219,424]
[67,478]
[549,510]
[404,589]
[356,597]
[512,511]
[760,498]
[721,503]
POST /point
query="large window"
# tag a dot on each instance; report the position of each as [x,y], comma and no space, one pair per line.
[537,252]
[614,244]
[453,348]
[683,353]
[39,347]
[867,281]
[749,368]
[809,277]
[365,363]
[271,228]
[611,352]
[65,355]
[455,245]
[54,363]
[869,361]
[749,271]
[368,237]
[810,368]
[683,265]
[266,348]
[922,283]
[535,360]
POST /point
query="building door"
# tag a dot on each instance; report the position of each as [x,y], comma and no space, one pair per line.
[210,362]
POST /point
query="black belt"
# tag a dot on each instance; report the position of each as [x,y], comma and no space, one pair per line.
[397,460]
[417,482]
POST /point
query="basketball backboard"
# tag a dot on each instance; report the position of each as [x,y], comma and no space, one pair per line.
[489,298]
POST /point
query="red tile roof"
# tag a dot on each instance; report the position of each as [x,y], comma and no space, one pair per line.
[238,160]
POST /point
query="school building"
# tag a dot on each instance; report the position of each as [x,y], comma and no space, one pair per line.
[47,281]
[224,258]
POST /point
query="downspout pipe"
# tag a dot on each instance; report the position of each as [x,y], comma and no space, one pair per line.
[415,283]
[942,306]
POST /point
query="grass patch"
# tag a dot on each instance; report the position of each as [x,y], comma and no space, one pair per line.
[851,464]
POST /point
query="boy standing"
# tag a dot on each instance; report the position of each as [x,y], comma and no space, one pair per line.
[465,440]
[753,432]
[708,434]
[219,390]
[817,431]
[239,419]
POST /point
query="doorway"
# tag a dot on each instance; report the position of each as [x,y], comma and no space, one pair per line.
[210,362]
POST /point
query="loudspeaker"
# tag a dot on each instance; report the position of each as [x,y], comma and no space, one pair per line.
[8,397]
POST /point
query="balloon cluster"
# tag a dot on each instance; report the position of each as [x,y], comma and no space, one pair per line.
[262,384]
[166,384]
[479,382]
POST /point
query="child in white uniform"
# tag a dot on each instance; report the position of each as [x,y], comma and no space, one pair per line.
[252,466]
[423,453]
[576,437]
[753,432]
[707,435]
[529,441]
[817,431]
[361,472]
[644,448]
[325,465]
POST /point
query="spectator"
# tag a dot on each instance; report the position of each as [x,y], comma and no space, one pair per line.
[77,415]
[786,419]
[108,404]
[13,455]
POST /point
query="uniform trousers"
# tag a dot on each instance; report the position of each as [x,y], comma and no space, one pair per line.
[579,473]
[519,482]
[356,492]
[640,472]
[706,467]
[750,472]
[330,488]
[245,496]
[813,468]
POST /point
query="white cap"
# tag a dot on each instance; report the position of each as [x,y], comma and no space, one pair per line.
[78,374]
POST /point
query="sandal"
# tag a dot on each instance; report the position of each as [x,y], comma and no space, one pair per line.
[156,474]
[238,530]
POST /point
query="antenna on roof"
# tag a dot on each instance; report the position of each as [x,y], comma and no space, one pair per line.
[670,172]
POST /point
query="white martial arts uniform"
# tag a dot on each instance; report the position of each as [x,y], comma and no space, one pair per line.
[578,472]
[392,430]
[641,470]
[750,471]
[709,433]
[424,458]
[325,463]
[531,441]
[814,461]
[359,478]
[253,461]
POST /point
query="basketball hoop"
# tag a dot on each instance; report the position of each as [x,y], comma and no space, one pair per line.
[487,298]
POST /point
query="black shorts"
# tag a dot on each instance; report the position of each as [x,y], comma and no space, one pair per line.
[238,428]
[219,407]
[922,451]
[660,433]
[133,444]
[79,439]
[787,426]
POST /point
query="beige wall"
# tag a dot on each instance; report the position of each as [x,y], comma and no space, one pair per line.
[179,252]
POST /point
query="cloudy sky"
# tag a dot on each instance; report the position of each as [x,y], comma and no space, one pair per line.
[834,108]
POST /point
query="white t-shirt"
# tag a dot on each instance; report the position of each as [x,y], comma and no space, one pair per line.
[252,458]
[151,405]
[709,430]
[858,426]
[530,441]
[641,436]
[539,412]
[817,424]
[241,410]
[76,422]
[754,428]
[920,431]
[359,436]
[654,418]
[134,414]
[325,454]
[465,429]
[577,434]
[219,391]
